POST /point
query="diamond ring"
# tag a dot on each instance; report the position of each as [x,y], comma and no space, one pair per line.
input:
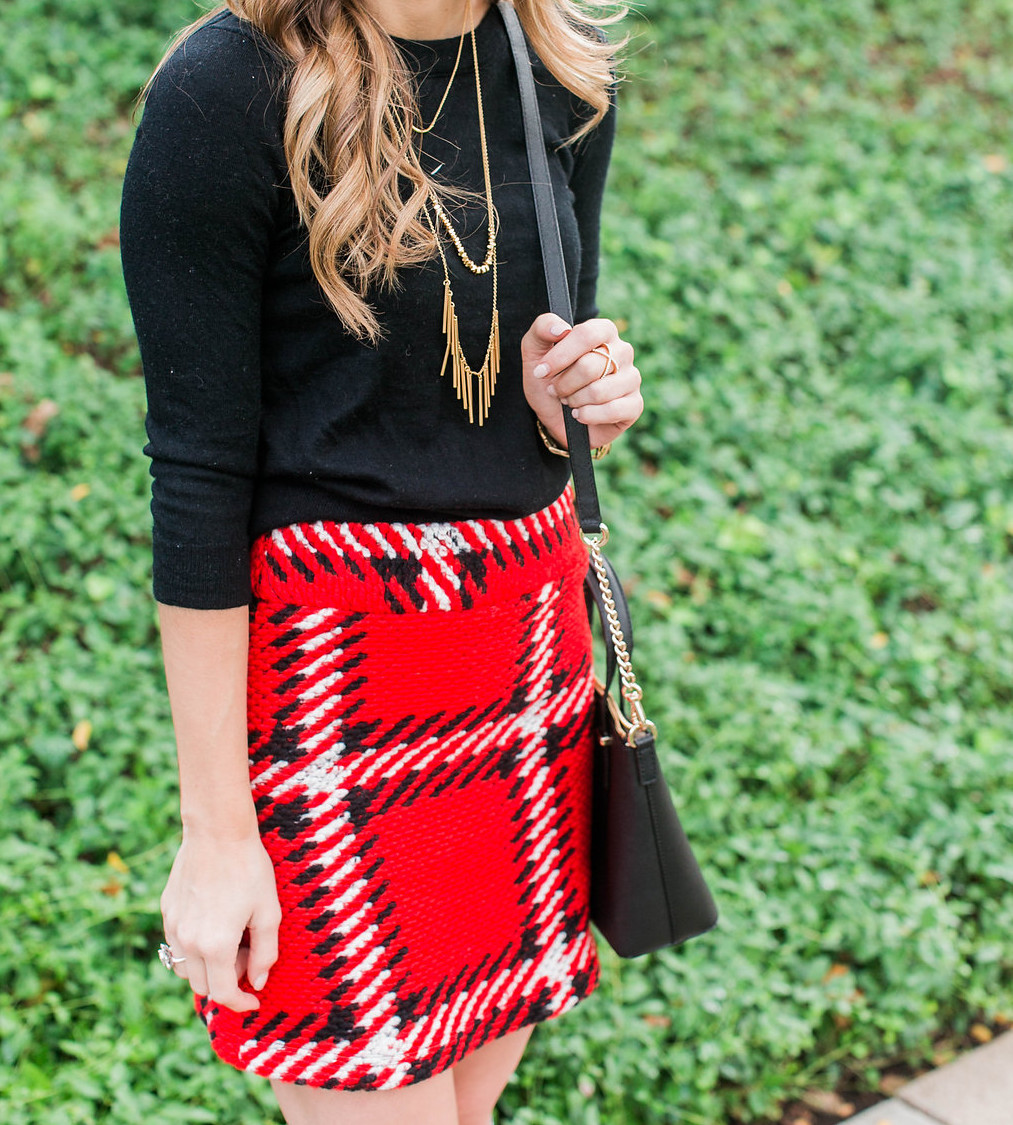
[166,957]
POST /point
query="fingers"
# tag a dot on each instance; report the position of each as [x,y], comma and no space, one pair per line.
[212,968]
[602,390]
[263,945]
[592,367]
[214,964]
[546,330]
[621,412]
[215,973]
[574,345]
[223,982]
[187,964]
[179,960]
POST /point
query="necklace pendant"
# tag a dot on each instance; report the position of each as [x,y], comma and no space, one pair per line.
[474,389]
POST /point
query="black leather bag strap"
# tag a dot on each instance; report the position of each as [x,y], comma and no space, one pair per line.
[581,466]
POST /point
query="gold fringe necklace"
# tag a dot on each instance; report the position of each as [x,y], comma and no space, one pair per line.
[474,386]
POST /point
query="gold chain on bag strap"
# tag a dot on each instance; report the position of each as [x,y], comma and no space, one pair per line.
[630,690]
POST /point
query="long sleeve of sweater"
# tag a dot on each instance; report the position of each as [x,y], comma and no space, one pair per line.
[587,183]
[198,211]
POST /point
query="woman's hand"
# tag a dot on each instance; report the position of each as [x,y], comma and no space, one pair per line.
[219,890]
[561,366]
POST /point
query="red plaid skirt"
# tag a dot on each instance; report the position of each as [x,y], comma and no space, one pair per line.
[419,709]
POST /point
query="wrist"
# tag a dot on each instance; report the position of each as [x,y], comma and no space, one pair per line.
[551,442]
[559,448]
[225,822]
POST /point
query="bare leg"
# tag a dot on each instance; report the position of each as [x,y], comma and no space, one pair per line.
[479,1078]
[431,1102]
[464,1095]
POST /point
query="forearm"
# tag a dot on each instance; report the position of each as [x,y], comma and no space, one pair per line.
[205,654]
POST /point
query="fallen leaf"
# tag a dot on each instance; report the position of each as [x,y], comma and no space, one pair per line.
[929,879]
[879,640]
[657,1021]
[980,1033]
[828,1101]
[835,970]
[659,599]
[79,492]
[81,735]
[889,1084]
[112,888]
[115,861]
[994,162]
[785,288]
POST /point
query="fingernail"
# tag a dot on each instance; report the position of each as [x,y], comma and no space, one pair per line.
[559,328]
[550,390]
[541,371]
[576,414]
[259,983]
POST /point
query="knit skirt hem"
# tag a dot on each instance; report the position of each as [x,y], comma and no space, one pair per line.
[419,708]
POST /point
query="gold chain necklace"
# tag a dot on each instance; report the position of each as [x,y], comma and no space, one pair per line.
[475,399]
[453,74]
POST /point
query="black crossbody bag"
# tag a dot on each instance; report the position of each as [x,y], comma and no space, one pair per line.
[647,890]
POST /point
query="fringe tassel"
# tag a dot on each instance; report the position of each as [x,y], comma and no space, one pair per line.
[475,399]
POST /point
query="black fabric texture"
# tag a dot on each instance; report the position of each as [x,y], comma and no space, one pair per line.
[262,409]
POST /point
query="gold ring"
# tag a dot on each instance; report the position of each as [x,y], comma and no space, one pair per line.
[611,367]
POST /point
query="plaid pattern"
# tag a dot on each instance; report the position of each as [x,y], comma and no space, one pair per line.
[420,756]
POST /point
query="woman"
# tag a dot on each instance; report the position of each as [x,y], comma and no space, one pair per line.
[365,557]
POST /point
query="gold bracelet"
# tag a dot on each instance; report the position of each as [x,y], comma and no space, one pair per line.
[550,443]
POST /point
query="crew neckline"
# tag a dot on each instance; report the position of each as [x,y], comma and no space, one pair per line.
[436,56]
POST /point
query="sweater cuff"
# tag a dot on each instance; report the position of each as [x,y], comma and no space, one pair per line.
[201,576]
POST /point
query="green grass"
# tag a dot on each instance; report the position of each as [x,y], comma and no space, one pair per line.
[810,237]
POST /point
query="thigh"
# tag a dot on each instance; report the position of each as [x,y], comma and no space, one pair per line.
[431,1102]
[479,1078]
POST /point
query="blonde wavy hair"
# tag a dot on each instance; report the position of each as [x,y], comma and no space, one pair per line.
[350,98]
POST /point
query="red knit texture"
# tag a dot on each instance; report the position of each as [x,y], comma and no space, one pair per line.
[420,756]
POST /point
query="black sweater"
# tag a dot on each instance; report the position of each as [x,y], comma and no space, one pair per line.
[262,409]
